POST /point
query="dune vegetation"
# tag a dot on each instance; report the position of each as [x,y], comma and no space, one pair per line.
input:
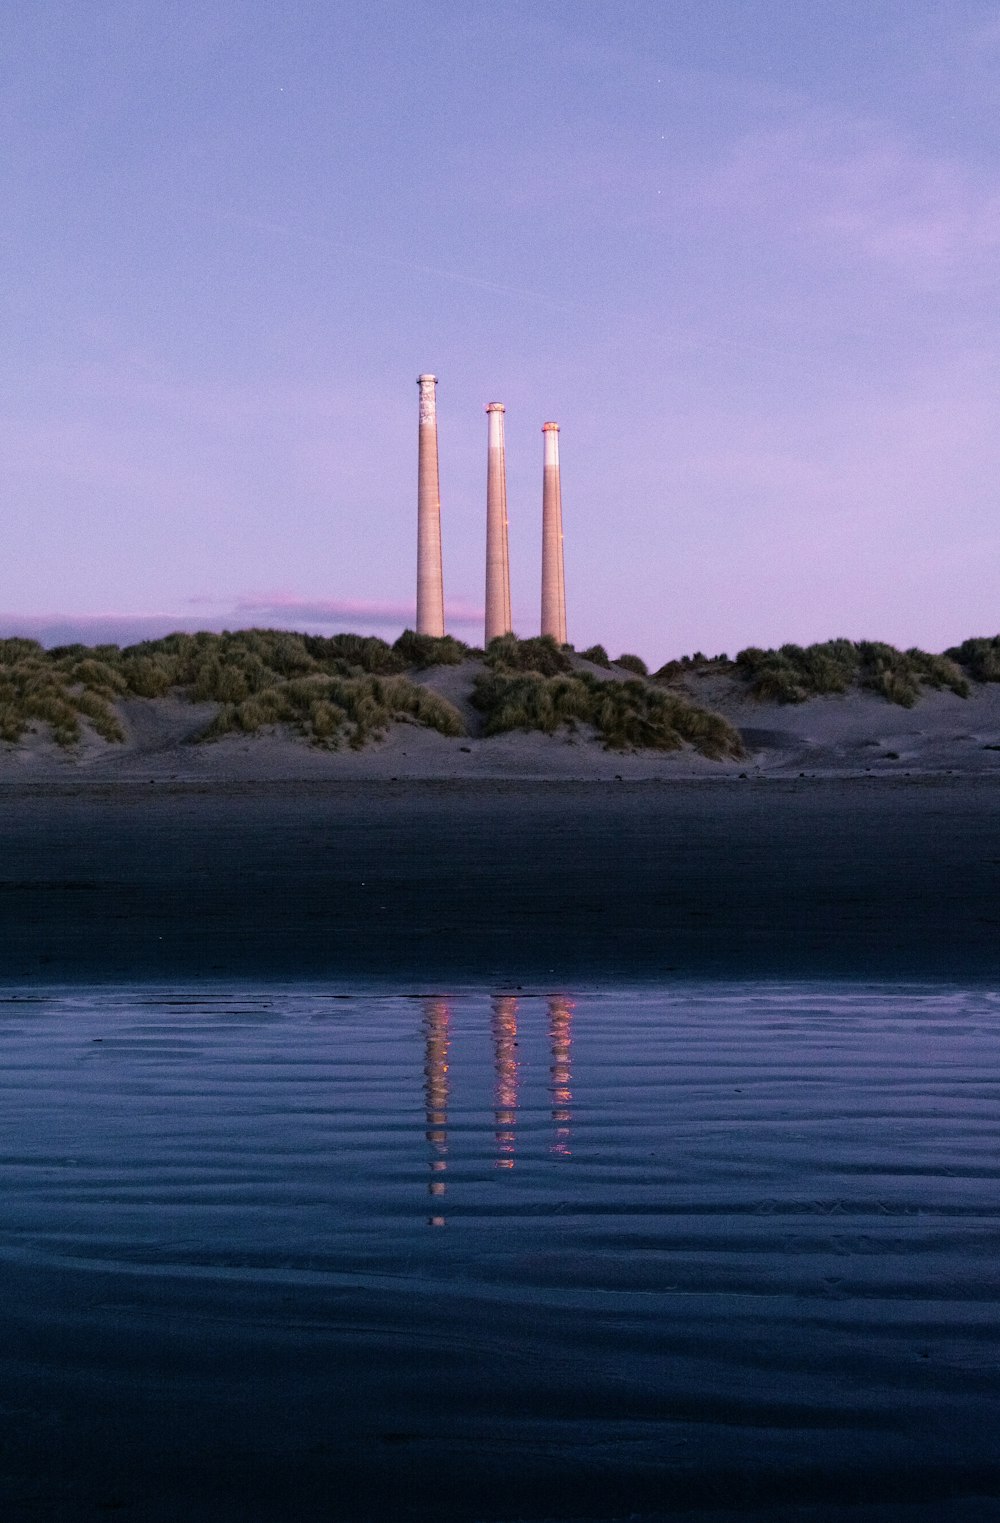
[343,688]
[348,689]
[634,664]
[531,685]
[980,658]
[596,655]
[793,673]
[35,688]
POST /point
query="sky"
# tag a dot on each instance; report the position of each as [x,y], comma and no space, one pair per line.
[745,252]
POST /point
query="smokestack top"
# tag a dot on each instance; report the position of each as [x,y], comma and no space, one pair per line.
[421,379]
[550,428]
[495,407]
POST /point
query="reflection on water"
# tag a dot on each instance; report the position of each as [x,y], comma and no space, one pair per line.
[436,1043]
[506,1083]
[748,1249]
[503,1026]
[561,1038]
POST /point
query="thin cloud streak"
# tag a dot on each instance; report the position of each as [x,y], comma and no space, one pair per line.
[333,610]
[317,240]
[291,614]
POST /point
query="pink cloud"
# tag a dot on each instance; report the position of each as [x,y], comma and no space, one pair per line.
[284,613]
[335,610]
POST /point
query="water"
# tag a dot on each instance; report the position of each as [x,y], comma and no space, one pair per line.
[706,1250]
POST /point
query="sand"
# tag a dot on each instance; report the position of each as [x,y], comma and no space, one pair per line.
[159,1364]
[853,735]
[423,883]
[855,838]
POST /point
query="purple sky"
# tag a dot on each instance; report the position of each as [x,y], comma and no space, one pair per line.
[744,251]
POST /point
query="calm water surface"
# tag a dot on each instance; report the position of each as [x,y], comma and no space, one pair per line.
[709,1251]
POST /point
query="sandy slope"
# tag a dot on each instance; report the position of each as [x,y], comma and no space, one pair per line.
[851,735]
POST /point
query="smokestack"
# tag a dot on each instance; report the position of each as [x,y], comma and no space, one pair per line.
[430,578]
[498,617]
[553,573]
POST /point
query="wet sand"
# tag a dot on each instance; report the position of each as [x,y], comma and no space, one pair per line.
[425,882]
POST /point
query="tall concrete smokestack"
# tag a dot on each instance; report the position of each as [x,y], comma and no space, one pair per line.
[553,573]
[430,577]
[498,617]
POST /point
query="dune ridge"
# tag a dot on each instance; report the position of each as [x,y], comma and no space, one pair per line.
[268,704]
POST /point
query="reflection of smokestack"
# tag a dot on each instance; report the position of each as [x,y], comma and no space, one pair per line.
[553,574]
[436,1043]
[503,1023]
[560,1089]
[498,618]
[430,578]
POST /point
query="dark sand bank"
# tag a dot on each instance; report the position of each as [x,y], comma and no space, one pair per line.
[438,882]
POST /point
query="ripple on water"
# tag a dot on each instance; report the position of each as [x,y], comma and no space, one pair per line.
[736,1241]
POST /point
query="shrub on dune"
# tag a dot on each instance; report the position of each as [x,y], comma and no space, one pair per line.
[420,651]
[15,649]
[336,689]
[979,657]
[900,675]
[633,664]
[363,653]
[793,673]
[347,689]
[685,666]
[34,691]
[332,711]
[516,700]
[101,716]
[146,676]
[538,654]
[631,715]
[597,656]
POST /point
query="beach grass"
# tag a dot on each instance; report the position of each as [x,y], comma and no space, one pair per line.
[979,657]
[330,711]
[421,651]
[348,688]
[530,685]
[626,716]
[332,689]
[539,654]
[36,690]
[633,663]
[597,656]
[793,673]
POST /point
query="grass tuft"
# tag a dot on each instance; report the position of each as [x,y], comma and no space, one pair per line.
[342,689]
[597,656]
[346,689]
[685,666]
[633,664]
[333,711]
[421,651]
[631,715]
[540,654]
[979,657]
[794,673]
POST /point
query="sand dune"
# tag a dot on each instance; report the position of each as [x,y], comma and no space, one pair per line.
[850,735]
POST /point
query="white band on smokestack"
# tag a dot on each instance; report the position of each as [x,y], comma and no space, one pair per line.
[498,614]
[430,575]
[553,572]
